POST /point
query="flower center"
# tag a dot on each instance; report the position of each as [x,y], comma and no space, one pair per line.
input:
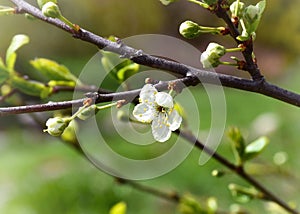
[160,109]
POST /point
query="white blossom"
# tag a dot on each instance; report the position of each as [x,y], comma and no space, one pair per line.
[157,108]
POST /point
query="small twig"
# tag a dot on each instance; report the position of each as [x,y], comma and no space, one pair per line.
[172,197]
[236,169]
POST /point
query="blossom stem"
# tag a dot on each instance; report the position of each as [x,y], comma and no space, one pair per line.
[107,106]
[204,5]
[229,50]
[229,63]
[67,22]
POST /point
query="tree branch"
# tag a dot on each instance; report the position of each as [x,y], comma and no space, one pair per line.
[258,86]
[236,169]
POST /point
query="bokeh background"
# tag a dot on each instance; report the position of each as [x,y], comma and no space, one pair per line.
[40,174]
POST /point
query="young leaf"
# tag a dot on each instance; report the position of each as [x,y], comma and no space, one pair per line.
[52,70]
[119,208]
[127,71]
[255,148]
[30,87]
[17,42]
[238,143]
[243,194]
[251,19]
[120,70]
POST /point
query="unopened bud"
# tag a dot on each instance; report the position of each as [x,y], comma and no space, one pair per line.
[56,125]
[189,29]
[52,10]
[88,112]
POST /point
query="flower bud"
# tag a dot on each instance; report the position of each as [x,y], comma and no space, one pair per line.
[216,50]
[41,3]
[210,57]
[207,61]
[87,112]
[51,9]
[56,125]
[189,29]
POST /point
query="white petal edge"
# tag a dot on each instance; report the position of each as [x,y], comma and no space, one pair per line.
[160,130]
[144,112]
[174,120]
[164,99]
[147,94]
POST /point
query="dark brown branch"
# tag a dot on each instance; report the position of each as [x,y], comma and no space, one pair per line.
[258,86]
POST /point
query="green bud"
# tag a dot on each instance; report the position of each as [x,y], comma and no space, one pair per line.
[51,9]
[216,50]
[57,125]
[209,62]
[237,8]
[87,112]
[41,3]
[189,29]
[210,57]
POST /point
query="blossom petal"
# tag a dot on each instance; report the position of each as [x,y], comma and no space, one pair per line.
[174,120]
[164,99]
[160,129]
[147,94]
[144,112]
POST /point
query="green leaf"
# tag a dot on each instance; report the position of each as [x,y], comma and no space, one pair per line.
[4,74]
[6,10]
[52,70]
[30,87]
[255,148]
[54,83]
[119,208]
[17,42]
[127,71]
[243,194]
[238,143]
[251,17]
[119,69]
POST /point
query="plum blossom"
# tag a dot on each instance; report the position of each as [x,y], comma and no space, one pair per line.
[157,108]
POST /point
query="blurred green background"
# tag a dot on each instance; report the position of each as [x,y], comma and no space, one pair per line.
[39,174]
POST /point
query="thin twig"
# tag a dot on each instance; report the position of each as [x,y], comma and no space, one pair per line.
[237,169]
